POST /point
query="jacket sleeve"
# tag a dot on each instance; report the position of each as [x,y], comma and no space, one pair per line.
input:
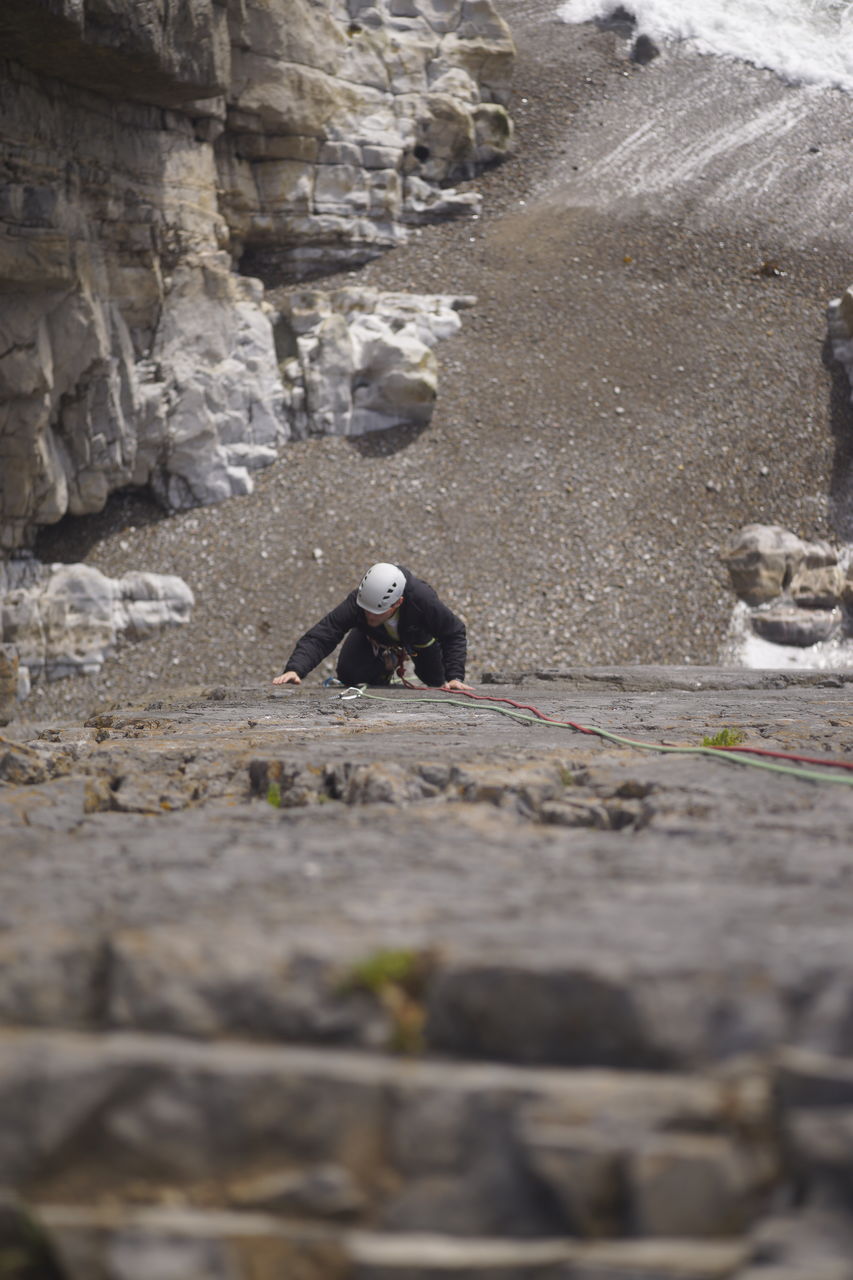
[319,641]
[448,629]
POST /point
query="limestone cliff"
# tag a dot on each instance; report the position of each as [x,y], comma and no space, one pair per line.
[151,156]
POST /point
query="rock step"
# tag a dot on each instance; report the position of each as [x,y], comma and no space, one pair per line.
[563,1007]
[149,1158]
[384,1143]
[149,1243]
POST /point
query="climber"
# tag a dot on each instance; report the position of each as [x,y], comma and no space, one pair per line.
[392,615]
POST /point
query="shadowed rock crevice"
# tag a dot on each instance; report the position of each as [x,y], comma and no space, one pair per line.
[546,791]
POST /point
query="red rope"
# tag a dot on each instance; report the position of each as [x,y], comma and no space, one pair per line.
[523,706]
[788,755]
[754,751]
[401,668]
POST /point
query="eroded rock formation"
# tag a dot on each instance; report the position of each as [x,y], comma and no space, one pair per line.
[362,360]
[790,592]
[62,620]
[149,151]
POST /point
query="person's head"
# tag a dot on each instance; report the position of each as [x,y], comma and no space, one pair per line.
[381,592]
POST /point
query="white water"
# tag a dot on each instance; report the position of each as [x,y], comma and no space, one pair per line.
[803,41]
[743,648]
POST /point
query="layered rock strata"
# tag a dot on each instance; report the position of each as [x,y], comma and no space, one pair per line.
[145,156]
[619,982]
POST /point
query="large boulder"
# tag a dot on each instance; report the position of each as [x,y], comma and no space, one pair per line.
[788,624]
[762,560]
[792,593]
[362,360]
[66,619]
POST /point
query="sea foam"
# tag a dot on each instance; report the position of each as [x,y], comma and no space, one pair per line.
[803,41]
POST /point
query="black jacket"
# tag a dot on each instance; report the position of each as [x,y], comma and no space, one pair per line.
[422,618]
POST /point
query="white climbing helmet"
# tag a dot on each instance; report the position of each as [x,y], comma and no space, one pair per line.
[381,588]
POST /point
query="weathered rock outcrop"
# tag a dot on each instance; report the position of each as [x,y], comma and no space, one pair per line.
[791,592]
[362,360]
[62,620]
[147,154]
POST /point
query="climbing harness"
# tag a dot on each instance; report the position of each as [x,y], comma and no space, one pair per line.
[737,754]
[394,656]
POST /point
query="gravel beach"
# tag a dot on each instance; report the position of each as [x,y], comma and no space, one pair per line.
[646,370]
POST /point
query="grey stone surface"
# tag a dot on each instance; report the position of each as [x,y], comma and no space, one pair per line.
[122,1245]
[812,1244]
[126,1114]
[675,932]
[621,1042]
[362,359]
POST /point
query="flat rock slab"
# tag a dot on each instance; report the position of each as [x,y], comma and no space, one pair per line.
[398,987]
[219,862]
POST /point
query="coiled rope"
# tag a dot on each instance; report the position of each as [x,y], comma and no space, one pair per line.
[524,712]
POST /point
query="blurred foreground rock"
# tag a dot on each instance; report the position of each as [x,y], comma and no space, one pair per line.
[9,681]
[408,989]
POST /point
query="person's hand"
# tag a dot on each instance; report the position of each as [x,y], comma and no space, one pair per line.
[450,685]
[289,677]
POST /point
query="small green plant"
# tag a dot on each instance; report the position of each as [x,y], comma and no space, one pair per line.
[725,738]
[397,978]
[274,795]
[383,967]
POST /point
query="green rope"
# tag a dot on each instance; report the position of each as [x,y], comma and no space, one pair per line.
[809,775]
